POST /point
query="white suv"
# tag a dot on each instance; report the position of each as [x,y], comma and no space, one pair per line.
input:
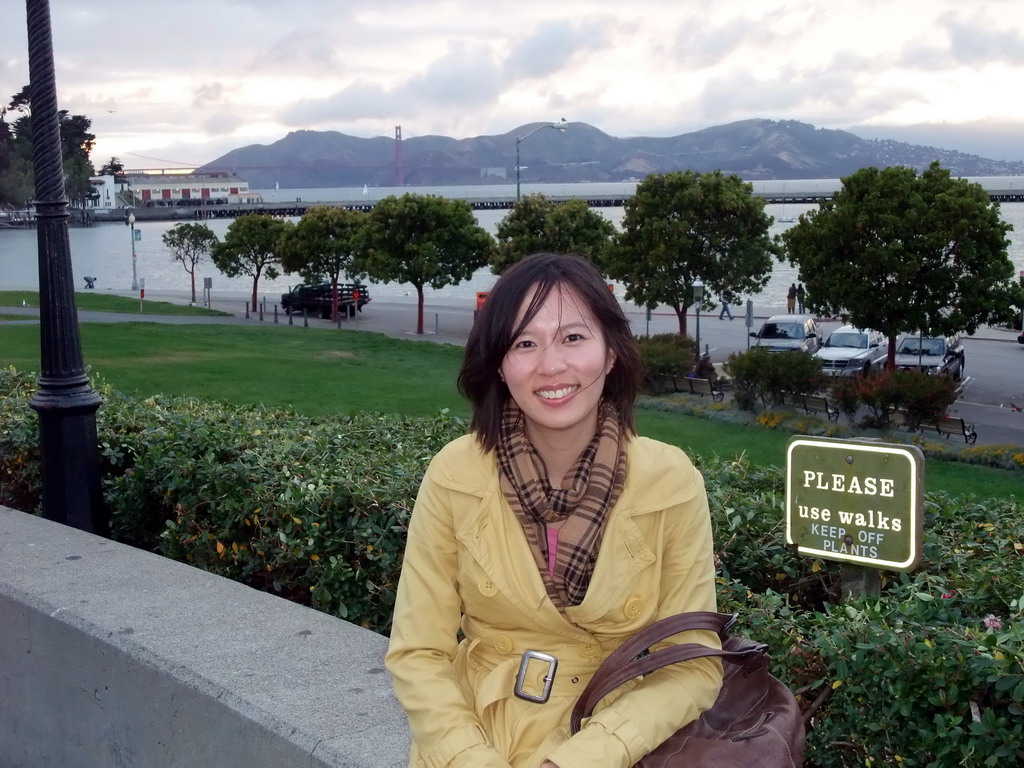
[789,333]
[849,351]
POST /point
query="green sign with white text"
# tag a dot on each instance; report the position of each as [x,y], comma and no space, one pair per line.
[855,501]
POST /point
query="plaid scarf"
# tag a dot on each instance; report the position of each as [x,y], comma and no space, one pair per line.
[596,481]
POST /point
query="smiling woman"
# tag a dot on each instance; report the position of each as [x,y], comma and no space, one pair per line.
[552,532]
[555,372]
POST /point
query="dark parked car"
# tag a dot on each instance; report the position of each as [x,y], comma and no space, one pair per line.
[932,354]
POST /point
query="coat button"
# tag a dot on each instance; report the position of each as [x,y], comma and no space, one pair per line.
[502,644]
[487,588]
[590,651]
[633,607]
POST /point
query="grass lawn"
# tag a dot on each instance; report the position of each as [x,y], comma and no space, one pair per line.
[312,370]
[98,302]
[321,372]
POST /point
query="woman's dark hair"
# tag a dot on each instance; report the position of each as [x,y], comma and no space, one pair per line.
[495,330]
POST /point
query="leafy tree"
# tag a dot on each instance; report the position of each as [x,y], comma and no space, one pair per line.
[16,153]
[424,240]
[324,245]
[22,100]
[76,146]
[250,247]
[680,226]
[537,224]
[903,253]
[113,167]
[16,167]
[17,179]
[188,243]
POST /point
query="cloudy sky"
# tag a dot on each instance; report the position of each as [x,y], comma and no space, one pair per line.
[188,80]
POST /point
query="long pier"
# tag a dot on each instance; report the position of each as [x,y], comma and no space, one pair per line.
[299,207]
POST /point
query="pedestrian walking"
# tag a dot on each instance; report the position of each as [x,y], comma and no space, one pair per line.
[725,310]
[800,295]
[791,299]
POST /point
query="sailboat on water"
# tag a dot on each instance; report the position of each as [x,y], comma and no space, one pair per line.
[366,190]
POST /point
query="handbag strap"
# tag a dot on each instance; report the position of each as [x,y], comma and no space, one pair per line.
[718,623]
[622,664]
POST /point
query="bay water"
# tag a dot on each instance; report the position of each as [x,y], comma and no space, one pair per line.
[104,251]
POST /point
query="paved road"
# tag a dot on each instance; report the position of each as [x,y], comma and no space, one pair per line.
[995,362]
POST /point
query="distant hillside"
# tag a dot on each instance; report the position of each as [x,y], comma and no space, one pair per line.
[753,149]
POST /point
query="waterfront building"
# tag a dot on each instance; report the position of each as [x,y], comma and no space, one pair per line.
[167,188]
[107,193]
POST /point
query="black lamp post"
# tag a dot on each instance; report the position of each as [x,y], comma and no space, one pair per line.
[561,125]
[698,297]
[65,401]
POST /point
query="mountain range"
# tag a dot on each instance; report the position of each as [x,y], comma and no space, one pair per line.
[753,149]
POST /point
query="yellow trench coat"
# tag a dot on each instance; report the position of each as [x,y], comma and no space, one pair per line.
[467,564]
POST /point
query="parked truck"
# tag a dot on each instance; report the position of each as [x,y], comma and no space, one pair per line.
[318,300]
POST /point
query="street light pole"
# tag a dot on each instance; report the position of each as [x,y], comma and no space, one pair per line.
[135,276]
[561,125]
[65,401]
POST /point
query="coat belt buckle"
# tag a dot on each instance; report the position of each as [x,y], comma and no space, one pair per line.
[549,678]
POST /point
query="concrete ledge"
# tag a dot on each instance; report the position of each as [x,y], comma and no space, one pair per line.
[110,656]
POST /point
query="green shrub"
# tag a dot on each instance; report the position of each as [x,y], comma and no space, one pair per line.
[20,471]
[929,674]
[922,396]
[844,392]
[878,396]
[666,357]
[768,376]
[745,370]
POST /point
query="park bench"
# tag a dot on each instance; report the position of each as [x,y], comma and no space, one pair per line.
[948,425]
[818,404]
[704,387]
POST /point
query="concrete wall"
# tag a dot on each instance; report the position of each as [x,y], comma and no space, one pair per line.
[111,657]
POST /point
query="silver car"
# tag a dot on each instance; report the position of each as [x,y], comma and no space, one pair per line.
[932,354]
[849,351]
[789,333]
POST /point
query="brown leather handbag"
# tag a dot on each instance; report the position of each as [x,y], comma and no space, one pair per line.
[754,723]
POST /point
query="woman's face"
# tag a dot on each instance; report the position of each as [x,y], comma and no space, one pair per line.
[555,369]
